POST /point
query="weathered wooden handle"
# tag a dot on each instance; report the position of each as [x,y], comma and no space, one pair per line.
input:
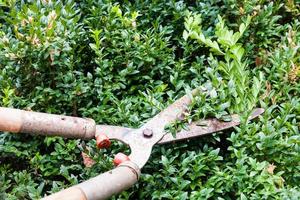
[102,186]
[14,120]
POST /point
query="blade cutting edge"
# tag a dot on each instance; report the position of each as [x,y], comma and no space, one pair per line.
[210,126]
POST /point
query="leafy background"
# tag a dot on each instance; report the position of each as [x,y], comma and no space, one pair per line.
[120,63]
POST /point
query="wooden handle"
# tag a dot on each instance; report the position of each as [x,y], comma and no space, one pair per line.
[10,120]
[14,120]
[102,186]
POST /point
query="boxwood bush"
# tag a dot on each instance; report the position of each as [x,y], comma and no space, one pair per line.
[121,62]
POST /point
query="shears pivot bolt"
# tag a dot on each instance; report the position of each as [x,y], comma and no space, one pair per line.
[147,133]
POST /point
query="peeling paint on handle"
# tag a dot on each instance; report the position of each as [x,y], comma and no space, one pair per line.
[14,120]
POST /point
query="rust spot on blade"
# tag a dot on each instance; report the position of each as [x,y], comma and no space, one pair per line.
[209,126]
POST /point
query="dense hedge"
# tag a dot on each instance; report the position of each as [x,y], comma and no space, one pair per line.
[120,63]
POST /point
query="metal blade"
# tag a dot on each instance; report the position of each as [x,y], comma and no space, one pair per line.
[140,145]
[168,115]
[209,126]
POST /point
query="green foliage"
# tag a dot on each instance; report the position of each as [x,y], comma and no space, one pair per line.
[229,69]
[122,62]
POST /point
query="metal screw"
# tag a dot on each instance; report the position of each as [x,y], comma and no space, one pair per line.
[147,133]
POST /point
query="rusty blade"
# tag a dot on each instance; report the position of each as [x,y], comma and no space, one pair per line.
[158,123]
[208,126]
[140,145]
[195,129]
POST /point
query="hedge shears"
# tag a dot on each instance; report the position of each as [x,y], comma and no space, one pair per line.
[141,141]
